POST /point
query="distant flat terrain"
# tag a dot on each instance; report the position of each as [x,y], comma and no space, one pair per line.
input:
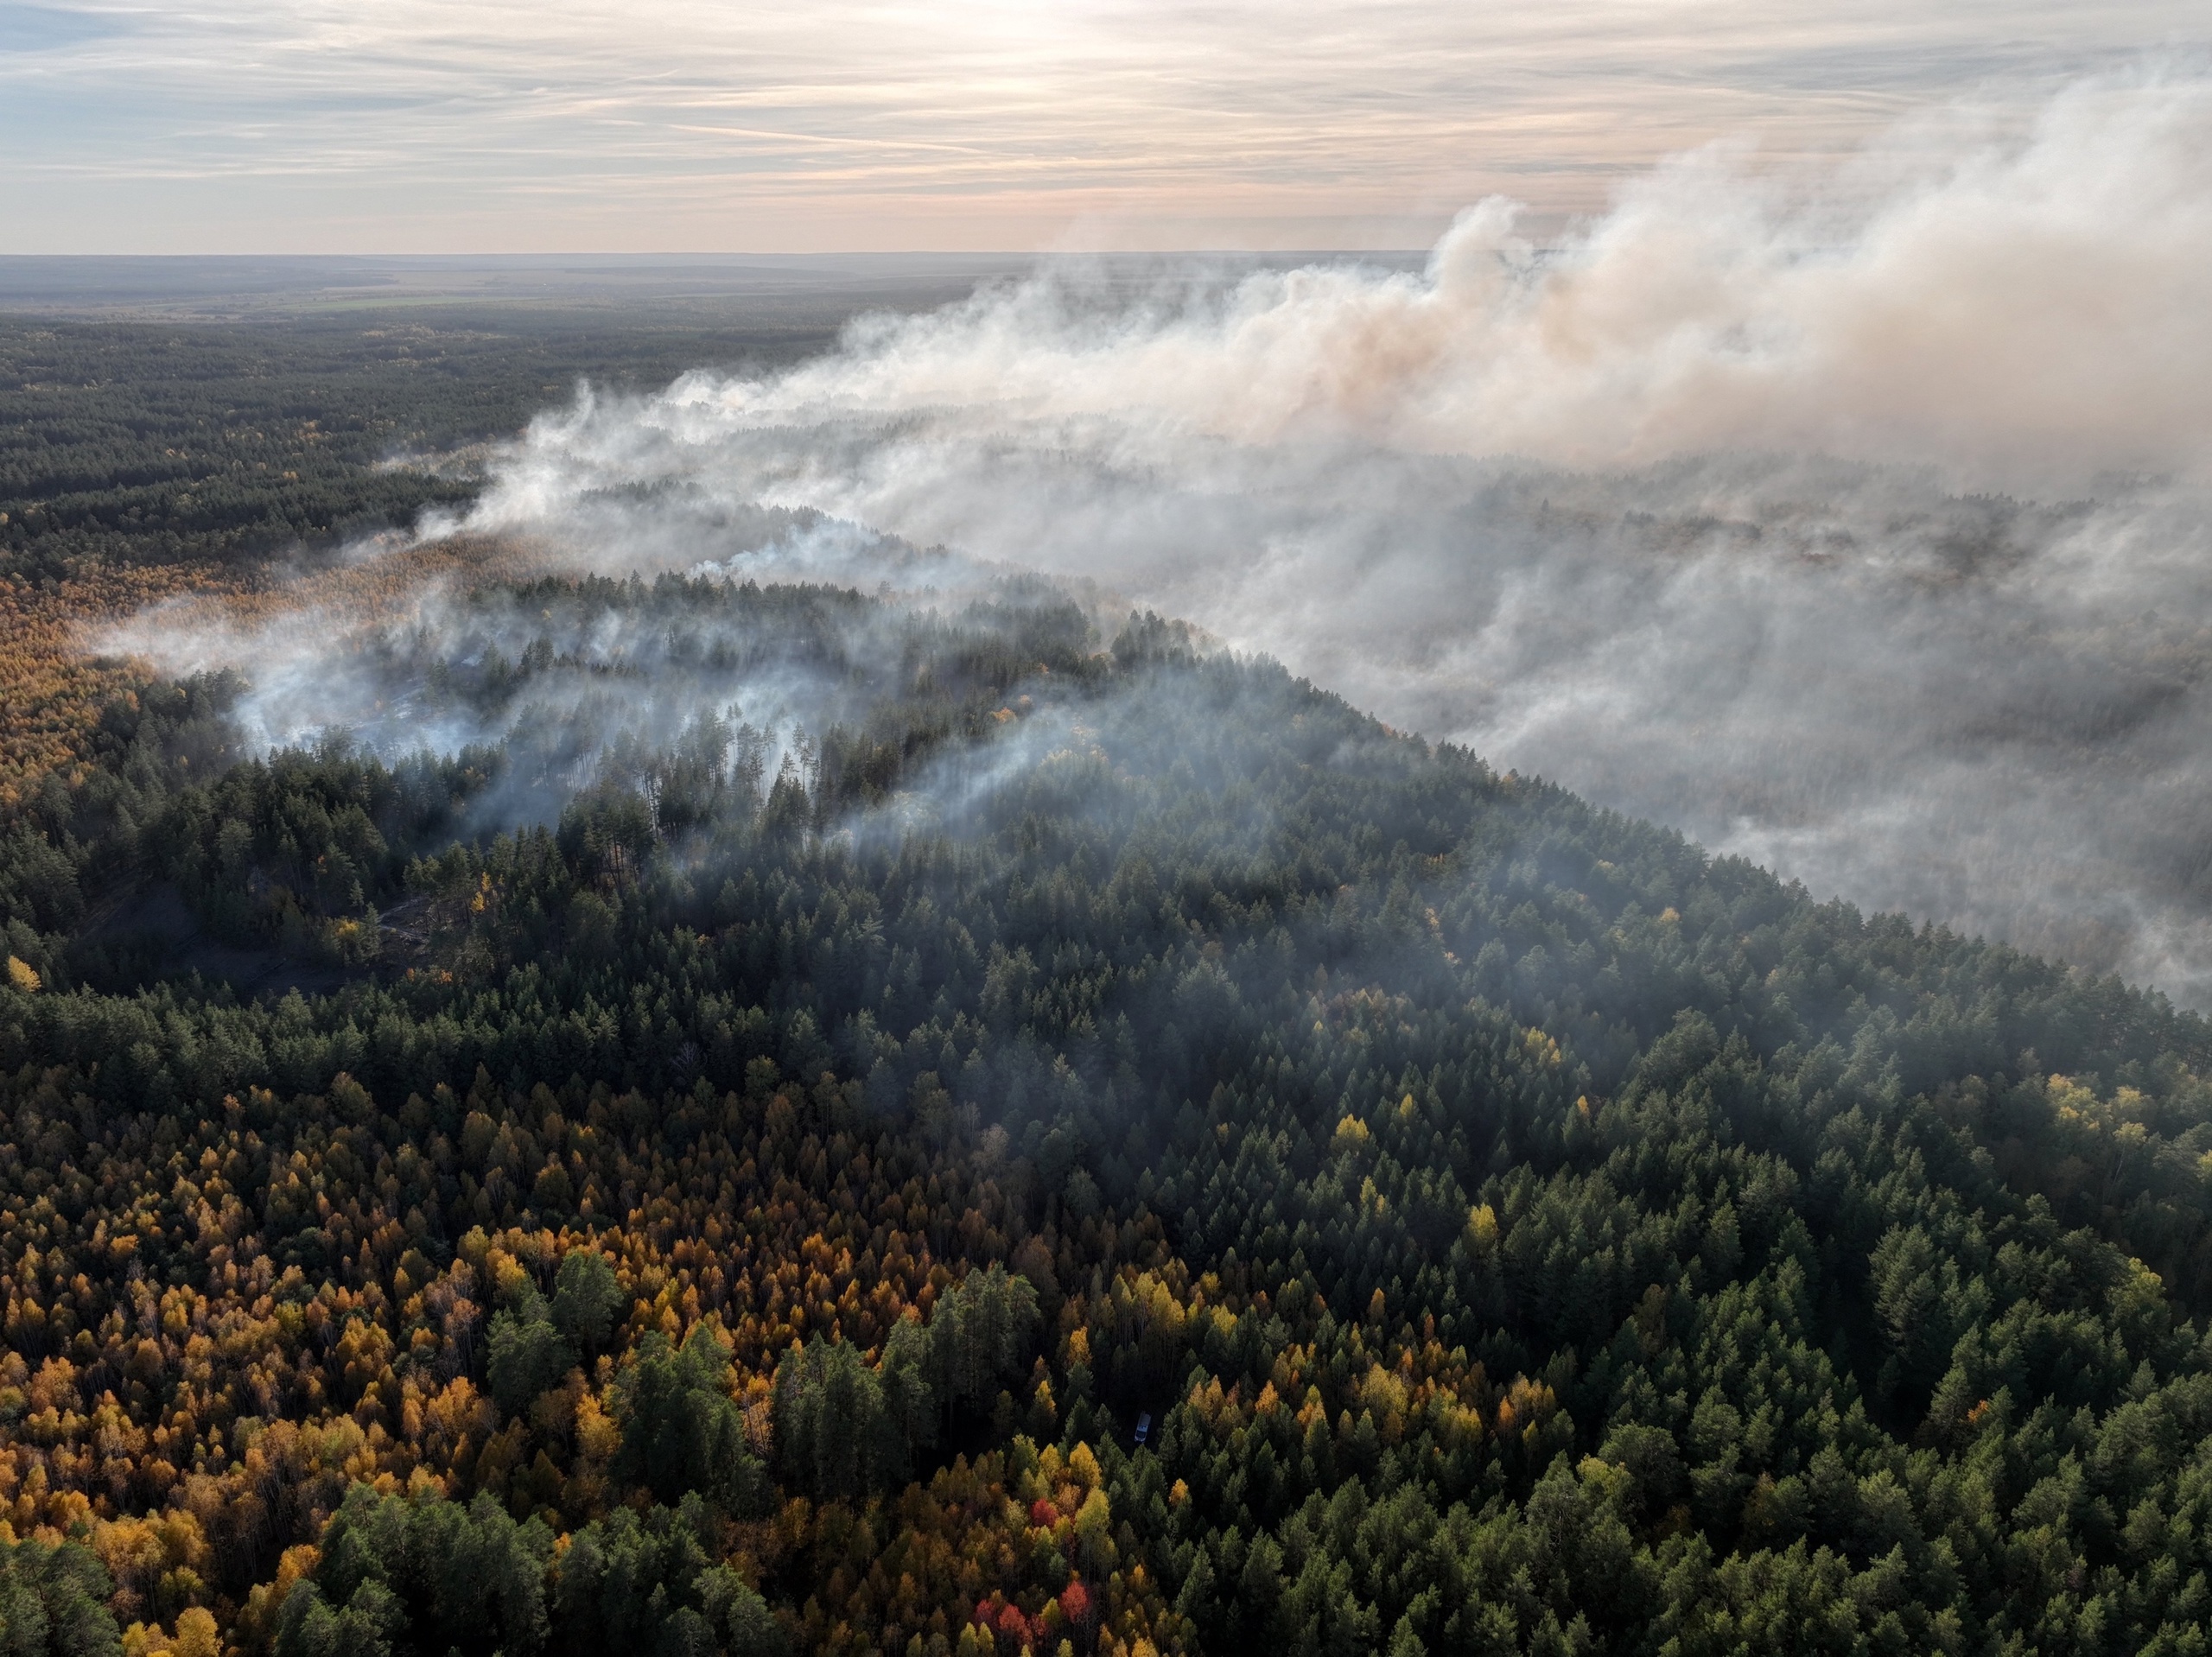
[824,287]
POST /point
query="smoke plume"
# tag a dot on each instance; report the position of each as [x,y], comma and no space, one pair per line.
[1854,522]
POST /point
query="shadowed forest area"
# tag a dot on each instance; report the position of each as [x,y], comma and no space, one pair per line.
[725,1158]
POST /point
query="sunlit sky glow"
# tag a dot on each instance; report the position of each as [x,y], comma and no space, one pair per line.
[478,126]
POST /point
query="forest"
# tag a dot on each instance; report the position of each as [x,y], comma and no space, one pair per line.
[818,1122]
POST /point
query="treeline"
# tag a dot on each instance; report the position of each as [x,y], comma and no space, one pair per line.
[761,1227]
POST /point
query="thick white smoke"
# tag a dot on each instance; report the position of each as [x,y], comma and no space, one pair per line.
[1856,522]
[2021,308]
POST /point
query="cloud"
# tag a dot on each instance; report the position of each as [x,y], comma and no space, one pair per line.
[479,125]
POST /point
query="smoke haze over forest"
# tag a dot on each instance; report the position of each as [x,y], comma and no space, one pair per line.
[1853,521]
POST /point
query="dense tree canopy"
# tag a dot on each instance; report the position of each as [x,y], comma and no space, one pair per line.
[745,1201]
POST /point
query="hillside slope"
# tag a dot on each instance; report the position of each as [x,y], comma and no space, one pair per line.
[807,1077]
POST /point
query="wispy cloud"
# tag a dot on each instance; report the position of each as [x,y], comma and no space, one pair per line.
[483,126]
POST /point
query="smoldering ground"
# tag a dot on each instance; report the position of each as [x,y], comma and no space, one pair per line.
[702,692]
[1856,522]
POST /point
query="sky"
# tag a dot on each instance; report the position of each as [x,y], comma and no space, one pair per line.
[470,126]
